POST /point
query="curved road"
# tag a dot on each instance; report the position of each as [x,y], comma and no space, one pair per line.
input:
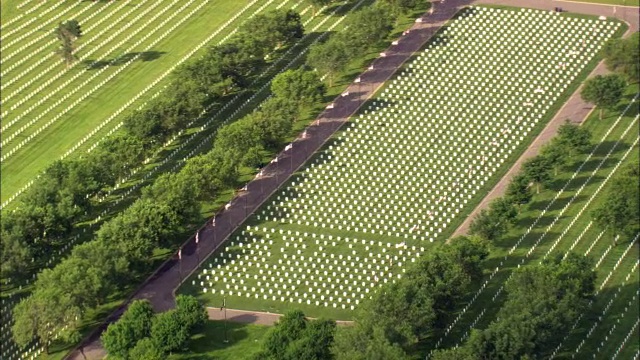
[159,287]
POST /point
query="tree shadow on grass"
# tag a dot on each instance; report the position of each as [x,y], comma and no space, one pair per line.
[144,56]
[212,338]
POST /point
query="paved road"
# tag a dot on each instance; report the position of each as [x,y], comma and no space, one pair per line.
[160,287]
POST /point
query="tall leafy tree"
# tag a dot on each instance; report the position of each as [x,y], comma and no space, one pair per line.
[537,170]
[623,56]
[145,349]
[301,86]
[42,315]
[518,190]
[193,313]
[168,332]
[604,91]
[573,139]
[368,27]
[620,212]
[330,57]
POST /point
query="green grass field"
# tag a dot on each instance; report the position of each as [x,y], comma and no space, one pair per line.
[322,241]
[244,341]
[105,88]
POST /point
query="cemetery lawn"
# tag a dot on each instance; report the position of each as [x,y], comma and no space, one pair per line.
[53,142]
[574,231]
[307,234]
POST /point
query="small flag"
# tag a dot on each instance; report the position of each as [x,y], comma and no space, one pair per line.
[197,237]
[288,147]
[223,304]
[213,222]
[180,254]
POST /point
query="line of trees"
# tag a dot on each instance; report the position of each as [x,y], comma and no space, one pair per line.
[400,315]
[543,300]
[67,191]
[142,334]
[366,30]
[494,222]
[121,250]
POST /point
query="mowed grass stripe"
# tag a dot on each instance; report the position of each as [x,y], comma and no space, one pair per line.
[517,257]
[617,297]
[87,115]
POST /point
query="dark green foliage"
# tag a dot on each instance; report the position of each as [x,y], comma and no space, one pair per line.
[145,349]
[330,57]
[623,56]
[294,337]
[401,314]
[543,301]
[604,91]
[620,212]
[493,223]
[537,170]
[272,30]
[168,332]
[356,344]
[368,28]
[399,7]
[193,314]
[135,324]
[300,86]
[317,4]
[518,190]
[43,314]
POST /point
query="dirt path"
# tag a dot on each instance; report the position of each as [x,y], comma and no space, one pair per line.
[160,287]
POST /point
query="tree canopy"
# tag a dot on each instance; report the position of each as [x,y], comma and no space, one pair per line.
[604,91]
[623,56]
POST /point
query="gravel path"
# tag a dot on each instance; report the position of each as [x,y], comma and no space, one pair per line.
[160,287]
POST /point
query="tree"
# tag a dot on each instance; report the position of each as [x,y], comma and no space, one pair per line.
[15,256]
[537,170]
[330,57]
[145,349]
[272,30]
[118,340]
[543,300]
[42,315]
[193,314]
[168,332]
[67,33]
[623,56]
[604,91]
[620,211]
[469,252]
[121,337]
[367,28]
[555,154]
[301,86]
[357,344]
[294,337]
[573,139]
[487,225]
[518,190]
